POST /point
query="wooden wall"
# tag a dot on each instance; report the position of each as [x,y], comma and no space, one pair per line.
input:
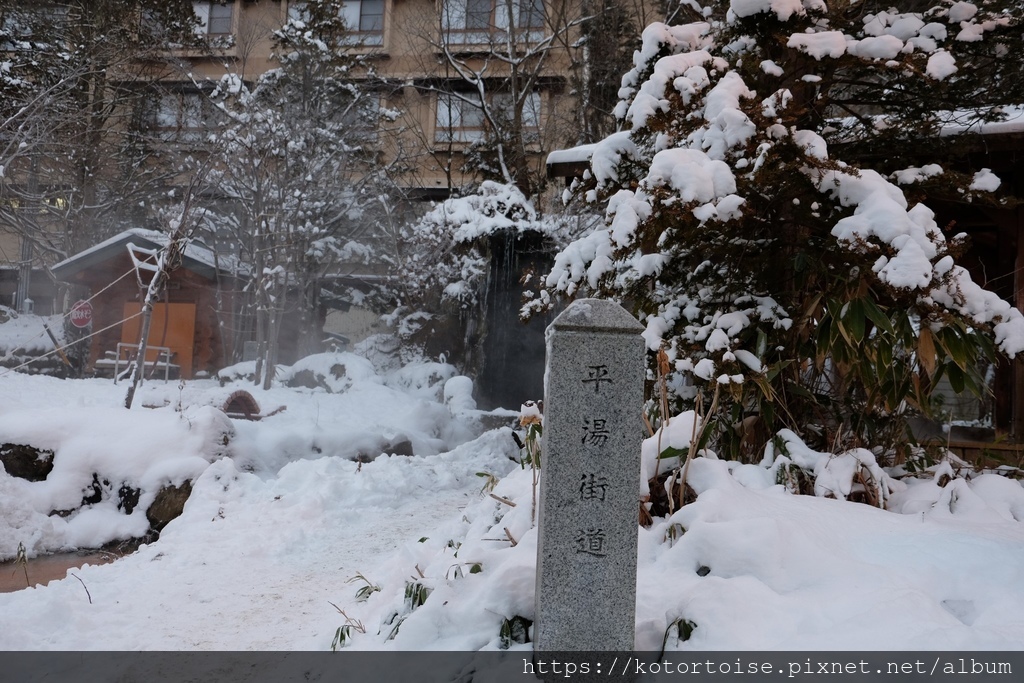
[209,352]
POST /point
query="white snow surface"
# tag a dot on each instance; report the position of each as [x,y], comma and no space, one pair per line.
[783,9]
[25,334]
[273,531]
[985,181]
[941,65]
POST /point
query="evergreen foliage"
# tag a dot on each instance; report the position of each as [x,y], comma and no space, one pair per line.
[754,221]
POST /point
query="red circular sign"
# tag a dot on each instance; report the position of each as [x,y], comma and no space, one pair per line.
[81,314]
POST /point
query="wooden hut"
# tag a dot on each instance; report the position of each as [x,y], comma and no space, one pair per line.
[195,304]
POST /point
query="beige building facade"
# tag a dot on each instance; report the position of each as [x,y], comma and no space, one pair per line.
[447,76]
[444,72]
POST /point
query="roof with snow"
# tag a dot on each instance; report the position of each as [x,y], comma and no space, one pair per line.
[1011,123]
[197,257]
[569,163]
[572,162]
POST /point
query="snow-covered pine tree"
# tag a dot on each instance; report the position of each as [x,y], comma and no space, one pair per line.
[297,157]
[755,221]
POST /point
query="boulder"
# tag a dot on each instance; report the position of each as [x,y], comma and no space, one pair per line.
[26,462]
[400,447]
[168,504]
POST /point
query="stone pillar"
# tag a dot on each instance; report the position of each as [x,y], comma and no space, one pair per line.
[590,474]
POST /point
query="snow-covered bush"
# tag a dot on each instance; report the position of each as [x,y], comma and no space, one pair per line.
[425,379]
[245,371]
[25,345]
[754,221]
[442,263]
[443,259]
[744,535]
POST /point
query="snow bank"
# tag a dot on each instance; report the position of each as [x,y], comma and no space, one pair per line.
[97,454]
[944,565]
[24,335]
[776,571]
[252,562]
[351,412]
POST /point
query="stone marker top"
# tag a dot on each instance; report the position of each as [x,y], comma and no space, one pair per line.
[595,315]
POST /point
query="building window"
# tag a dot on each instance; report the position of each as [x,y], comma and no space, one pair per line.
[530,14]
[502,105]
[479,14]
[362,120]
[215,18]
[21,24]
[182,116]
[460,116]
[361,16]
[475,21]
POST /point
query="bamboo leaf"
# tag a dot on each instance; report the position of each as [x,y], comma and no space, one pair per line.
[843,332]
[956,377]
[876,316]
[824,335]
[855,320]
[884,356]
[926,350]
[955,347]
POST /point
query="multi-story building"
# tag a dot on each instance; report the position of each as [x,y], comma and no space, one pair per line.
[462,90]
[453,72]
[470,89]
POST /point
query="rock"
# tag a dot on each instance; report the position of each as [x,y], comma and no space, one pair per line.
[26,462]
[403,447]
[127,498]
[93,493]
[168,504]
[333,372]
[306,379]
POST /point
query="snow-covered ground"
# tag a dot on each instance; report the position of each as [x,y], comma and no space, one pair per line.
[287,537]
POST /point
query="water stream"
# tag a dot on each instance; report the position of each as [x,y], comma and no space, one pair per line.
[46,568]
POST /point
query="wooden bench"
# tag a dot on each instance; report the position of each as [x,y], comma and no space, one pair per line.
[126,355]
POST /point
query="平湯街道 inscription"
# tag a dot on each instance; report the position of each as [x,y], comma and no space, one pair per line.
[586,554]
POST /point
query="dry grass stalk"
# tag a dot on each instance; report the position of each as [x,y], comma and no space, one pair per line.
[349,621]
[663,370]
[506,501]
[22,561]
[696,438]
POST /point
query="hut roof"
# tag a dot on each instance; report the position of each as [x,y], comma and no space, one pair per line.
[197,257]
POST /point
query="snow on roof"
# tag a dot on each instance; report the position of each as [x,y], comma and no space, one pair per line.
[574,155]
[1012,122]
[198,257]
